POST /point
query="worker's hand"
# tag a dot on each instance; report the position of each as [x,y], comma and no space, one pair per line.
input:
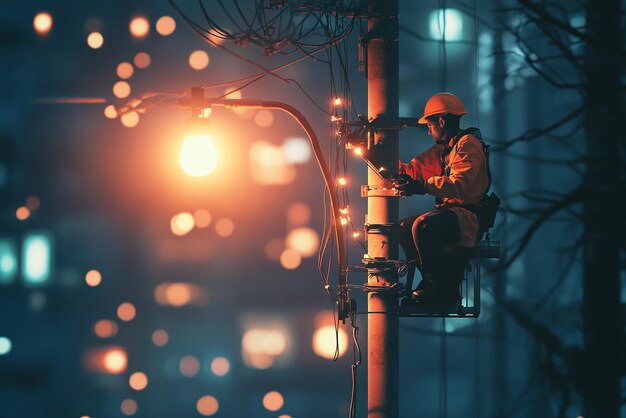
[408,186]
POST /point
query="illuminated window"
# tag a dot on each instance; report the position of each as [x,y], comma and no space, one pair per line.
[42,23]
[8,261]
[165,25]
[207,406]
[139,27]
[451,22]
[95,40]
[37,258]
[198,60]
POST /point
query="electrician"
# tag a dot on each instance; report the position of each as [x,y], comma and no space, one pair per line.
[455,170]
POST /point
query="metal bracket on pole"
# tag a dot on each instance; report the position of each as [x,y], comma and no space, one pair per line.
[368,190]
[385,229]
[396,288]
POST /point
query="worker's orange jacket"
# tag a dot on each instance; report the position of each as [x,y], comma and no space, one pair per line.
[456,173]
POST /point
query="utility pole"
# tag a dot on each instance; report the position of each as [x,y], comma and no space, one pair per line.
[381,43]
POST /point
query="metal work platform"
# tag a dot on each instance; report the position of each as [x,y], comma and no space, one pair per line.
[468,308]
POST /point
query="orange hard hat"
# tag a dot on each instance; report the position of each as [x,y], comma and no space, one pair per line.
[442,103]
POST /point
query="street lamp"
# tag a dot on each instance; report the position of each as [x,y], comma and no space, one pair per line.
[198,156]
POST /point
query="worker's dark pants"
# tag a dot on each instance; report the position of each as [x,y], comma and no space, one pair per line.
[424,238]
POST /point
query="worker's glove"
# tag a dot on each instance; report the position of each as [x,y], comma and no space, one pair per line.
[408,186]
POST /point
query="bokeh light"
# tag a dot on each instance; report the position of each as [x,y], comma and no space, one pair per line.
[325,341]
[268,164]
[224,227]
[139,27]
[126,311]
[105,328]
[274,248]
[182,223]
[130,119]
[304,240]
[273,401]
[198,60]
[124,70]
[207,406]
[5,346]
[189,366]
[166,25]
[290,259]
[93,278]
[296,150]
[142,60]
[115,361]
[178,294]
[95,40]
[129,407]
[260,346]
[160,337]
[220,366]
[33,202]
[138,381]
[298,214]
[121,89]
[264,118]
[42,23]
[22,213]
[202,218]
[110,112]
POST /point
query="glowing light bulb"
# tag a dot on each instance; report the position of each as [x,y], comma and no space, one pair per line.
[358,151]
[341,181]
[343,220]
[337,101]
[356,234]
[198,156]
[343,211]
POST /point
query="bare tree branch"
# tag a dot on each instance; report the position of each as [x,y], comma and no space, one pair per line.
[535,133]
